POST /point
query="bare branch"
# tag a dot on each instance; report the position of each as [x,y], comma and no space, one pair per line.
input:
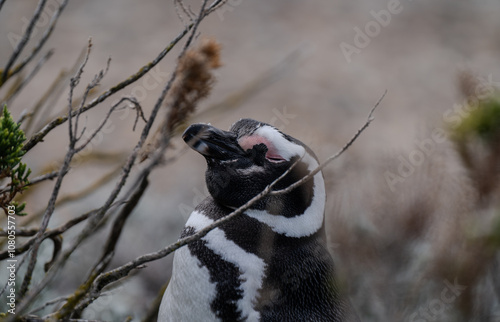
[20,264]
[51,302]
[139,112]
[188,13]
[21,232]
[53,91]
[48,234]
[43,40]
[48,176]
[132,158]
[58,300]
[48,100]
[28,78]
[132,100]
[38,137]
[43,177]
[122,218]
[72,146]
[96,219]
[200,17]
[215,5]
[89,189]
[55,192]
[73,84]
[107,255]
[77,195]
[57,240]
[22,43]
[93,84]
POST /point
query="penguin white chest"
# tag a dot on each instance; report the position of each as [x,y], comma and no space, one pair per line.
[189,292]
[206,275]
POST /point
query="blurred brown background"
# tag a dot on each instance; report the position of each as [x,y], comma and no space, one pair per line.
[318,95]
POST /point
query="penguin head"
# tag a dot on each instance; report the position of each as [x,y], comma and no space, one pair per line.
[241,162]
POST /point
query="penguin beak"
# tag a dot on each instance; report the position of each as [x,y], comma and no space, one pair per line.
[212,143]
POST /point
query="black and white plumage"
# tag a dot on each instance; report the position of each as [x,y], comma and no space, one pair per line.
[270,263]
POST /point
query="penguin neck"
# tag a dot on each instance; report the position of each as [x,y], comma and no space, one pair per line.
[287,218]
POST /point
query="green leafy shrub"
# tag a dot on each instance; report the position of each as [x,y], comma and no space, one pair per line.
[11,167]
[483,121]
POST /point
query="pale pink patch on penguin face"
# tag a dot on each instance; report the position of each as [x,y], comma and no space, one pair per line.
[248,142]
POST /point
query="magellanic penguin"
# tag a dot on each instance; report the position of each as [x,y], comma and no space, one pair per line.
[271,262]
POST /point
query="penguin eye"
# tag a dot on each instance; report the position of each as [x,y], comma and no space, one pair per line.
[254,141]
[274,158]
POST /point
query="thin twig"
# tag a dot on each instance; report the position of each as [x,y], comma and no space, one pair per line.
[158,156]
[139,113]
[38,137]
[200,17]
[73,139]
[43,177]
[21,232]
[73,84]
[89,189]
[106,118]
[121,219]
[216,5]
[160,100]
[48,101]
[28,78]
[54,89]
[55,191]
[6,285]
[28,299]
[22,43]
[96,156]
[42,40]
[51,302]
[48,234]
[47,176]
[108,251]
[94,222]
[179,3]
[19,266]
[336,155]
[57,300]
[56,249]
